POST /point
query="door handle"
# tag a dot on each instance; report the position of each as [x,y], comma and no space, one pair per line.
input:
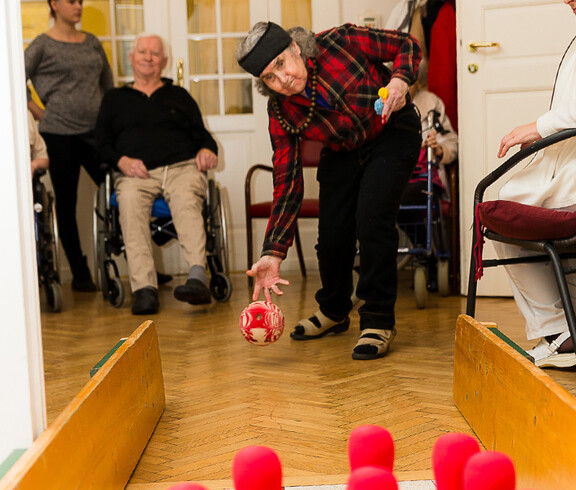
[180,72]
[473,46]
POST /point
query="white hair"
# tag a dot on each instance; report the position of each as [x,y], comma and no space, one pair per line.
[144,35]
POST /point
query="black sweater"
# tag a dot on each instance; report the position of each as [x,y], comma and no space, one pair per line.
[162,129]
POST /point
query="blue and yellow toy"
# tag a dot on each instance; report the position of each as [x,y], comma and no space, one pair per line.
[379,103]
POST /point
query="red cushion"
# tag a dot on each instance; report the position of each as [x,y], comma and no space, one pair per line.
[309,209]
[523,222]
[261,209]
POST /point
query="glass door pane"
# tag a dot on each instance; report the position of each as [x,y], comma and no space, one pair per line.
[214,28]
[35,20]
[116,23]
[297,13]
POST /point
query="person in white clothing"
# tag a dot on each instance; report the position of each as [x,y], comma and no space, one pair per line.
[548,181]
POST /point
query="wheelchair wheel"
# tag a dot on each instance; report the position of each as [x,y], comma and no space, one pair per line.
[220,287]
[47,238]
[53,292]
[218,226]
[420,286]
[115,292]
[443,277]
[99,230]
[55,237]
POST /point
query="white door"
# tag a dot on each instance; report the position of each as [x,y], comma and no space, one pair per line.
[501,87]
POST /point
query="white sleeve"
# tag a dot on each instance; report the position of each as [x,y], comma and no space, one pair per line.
[557,119]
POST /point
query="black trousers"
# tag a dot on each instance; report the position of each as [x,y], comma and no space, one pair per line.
[67,153]
[360,192]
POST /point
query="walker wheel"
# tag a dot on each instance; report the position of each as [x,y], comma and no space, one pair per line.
[53,292]
[443,278]
[420,289]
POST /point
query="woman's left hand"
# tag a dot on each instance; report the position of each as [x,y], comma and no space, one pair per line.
[397,90]
[522,135]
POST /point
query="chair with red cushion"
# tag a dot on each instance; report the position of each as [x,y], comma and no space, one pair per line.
[549,233]
[261,210]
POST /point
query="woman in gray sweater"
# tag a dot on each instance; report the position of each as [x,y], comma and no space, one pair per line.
[70,73]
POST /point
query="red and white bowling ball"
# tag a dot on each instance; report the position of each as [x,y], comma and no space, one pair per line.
[262,323]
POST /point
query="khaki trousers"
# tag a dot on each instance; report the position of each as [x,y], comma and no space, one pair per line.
[183,187]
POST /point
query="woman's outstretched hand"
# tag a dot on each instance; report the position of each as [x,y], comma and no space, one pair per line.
[266,274]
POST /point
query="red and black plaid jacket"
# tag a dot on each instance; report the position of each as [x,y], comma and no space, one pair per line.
[350,72]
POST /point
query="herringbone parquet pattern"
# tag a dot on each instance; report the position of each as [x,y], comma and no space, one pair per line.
[300,398]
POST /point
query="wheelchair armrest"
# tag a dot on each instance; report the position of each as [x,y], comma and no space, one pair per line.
[106,167]
[39,172]
[517,158]
[251,171]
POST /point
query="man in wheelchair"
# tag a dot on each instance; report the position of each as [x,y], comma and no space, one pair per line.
[151,132]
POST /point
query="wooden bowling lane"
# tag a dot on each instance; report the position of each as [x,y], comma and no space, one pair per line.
[300,398]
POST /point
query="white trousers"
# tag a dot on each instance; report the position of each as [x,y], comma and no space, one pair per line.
[536,291]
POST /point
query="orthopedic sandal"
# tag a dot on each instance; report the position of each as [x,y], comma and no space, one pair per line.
[373,343]
[317,326]
[546,353]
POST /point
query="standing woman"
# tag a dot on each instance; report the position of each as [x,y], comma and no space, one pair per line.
[70,73]
[323,88]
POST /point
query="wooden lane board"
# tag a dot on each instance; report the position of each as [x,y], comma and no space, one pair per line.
[515,407]
[98,439]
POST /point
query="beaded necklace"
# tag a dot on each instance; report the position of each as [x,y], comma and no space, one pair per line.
[285,124]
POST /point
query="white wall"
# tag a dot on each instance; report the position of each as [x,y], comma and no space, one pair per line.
[22,411]
[351,9]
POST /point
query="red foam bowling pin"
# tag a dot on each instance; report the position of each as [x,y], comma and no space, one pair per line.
[187,486]
[372,478]
[370,445]
[257,468]
[449,456]
[489,470]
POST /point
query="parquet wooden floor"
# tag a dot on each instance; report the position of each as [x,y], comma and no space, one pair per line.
[300,398]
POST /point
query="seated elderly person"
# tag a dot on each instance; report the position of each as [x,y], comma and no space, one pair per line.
[152,132]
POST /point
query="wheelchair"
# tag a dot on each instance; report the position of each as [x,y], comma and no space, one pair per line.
[46,234]
[108,241]
[423,239]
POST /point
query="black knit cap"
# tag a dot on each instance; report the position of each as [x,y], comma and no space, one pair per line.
[271,44]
